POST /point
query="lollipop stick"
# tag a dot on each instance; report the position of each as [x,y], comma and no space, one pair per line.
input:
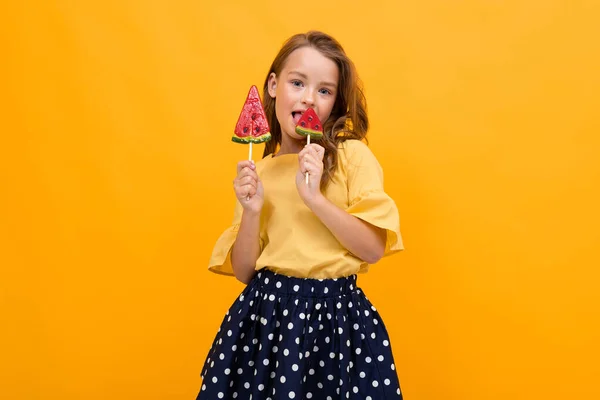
[249,159]
[307,143]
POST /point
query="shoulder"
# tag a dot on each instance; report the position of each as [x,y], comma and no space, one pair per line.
[355,152]
[263,162]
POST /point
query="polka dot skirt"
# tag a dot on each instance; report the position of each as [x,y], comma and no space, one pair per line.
[293,338]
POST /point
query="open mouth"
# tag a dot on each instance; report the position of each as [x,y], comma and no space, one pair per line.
[296,115]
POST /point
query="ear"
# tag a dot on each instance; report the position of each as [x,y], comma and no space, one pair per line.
[272,85]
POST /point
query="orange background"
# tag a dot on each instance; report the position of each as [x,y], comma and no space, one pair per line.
[116,170]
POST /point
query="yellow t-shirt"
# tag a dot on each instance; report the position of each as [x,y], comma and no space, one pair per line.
[293,240]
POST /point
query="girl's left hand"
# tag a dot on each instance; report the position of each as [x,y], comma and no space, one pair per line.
[310,160]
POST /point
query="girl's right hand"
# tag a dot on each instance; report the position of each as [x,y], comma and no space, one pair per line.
[248,187]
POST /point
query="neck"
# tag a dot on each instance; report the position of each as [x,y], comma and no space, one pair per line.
[290,146]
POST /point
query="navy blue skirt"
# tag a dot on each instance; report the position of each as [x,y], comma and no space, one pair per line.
[294,338]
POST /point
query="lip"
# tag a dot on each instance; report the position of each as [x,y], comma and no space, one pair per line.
[298,111]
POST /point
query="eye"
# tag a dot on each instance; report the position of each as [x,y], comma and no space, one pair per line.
[325,91]
[296,83]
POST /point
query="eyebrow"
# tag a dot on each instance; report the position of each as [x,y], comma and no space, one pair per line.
[330,84]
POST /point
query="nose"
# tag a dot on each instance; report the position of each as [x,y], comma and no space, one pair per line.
[308,97]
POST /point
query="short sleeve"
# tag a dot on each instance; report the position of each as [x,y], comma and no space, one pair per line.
[220,260]
[367,198]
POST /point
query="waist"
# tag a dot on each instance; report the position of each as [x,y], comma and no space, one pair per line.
[273,282]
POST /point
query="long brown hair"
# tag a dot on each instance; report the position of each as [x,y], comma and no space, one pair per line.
[348,118]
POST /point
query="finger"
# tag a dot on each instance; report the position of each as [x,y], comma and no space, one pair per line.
[245,164]
[316,149]
[310,158]
[246,171]
[246,190]
[247,180]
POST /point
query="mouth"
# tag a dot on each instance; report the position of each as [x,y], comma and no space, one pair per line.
[296,115]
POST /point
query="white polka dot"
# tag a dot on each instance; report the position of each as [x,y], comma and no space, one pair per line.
[373,335]
[222,356]
[368,398]
[214,379]
[234,347]
[220,395]
[251,363]
[355,389]
[302,316]
[322,363]
[246,349]
[261,387]
[327,340]
[290,325]
[320,385]
[311,371]
[330,377]
[282,379]
[203,387]
[292,395]
[266,280]
[297,340]
[266,361]
[272,375]
[375,383]
[398,391]
[296,288]
[240,371]
[309,395]
[375,321]
[272,297]
[332,355]
[367,313]
[326,290]
[227,371]
[286,352]
[368,359]
[278,284]
[393,367]
[275,348]
[387,382]
[358,350]
[339,305]
[380,358]
[295,367]
[356,327]
[386,343]
[362,374]
[318,306]
[247,385]
[340,330]
[229,332]
[270,336]
[350,305]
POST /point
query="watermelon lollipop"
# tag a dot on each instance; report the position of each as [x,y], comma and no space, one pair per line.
[252,125]
[309,125]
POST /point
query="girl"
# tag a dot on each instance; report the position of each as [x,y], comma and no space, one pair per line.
[301,328]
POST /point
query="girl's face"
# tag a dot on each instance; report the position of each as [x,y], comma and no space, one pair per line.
[308,79]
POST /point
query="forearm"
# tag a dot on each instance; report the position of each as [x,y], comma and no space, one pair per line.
[246,248]
[364,240]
